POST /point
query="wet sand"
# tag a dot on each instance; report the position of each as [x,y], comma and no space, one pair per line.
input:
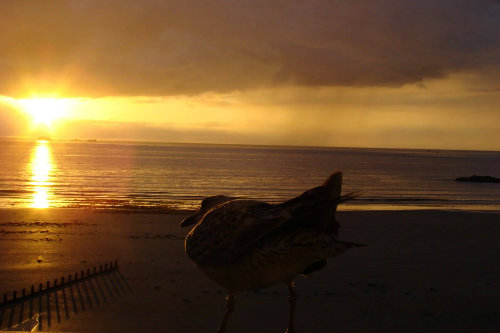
[422,271]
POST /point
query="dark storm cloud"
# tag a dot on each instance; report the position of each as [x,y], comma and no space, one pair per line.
[94,48]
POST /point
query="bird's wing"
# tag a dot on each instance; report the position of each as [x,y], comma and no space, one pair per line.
[288,253]
[228,230]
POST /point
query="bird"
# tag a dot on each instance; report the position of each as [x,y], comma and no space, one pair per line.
[244,244]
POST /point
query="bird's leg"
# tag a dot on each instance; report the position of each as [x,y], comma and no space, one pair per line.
[229,308]
[292,299]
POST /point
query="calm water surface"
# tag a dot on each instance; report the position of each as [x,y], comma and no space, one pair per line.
[159,175]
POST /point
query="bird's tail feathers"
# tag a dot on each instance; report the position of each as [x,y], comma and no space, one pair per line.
[333,185]
[349,196]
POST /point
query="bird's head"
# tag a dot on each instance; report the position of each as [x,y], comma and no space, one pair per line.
[206,205]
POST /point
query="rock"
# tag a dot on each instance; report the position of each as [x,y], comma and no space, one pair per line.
[478,179]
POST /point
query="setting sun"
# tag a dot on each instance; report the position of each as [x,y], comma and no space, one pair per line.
[45,110]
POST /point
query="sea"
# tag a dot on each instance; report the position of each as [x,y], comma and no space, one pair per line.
[173,176]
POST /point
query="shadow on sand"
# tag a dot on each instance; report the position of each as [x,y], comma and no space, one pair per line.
[79,293]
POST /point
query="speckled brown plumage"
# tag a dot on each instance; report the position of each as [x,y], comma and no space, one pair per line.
[246,244]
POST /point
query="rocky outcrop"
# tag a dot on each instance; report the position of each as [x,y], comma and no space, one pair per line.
[478,179]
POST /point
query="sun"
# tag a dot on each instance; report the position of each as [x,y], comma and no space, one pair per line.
[45,110]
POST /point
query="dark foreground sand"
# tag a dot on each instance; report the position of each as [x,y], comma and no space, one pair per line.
[422,271]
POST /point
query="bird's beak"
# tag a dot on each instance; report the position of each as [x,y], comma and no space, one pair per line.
[193,219]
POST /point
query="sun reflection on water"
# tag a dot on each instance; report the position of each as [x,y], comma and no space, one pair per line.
[40,165]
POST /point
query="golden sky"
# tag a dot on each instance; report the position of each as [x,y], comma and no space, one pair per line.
[406,74]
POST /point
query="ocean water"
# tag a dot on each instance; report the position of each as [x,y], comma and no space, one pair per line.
[177,176]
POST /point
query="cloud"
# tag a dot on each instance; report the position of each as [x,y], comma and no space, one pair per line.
[115,130]
[385,129]
[484,90]
[161,48]
[12,122]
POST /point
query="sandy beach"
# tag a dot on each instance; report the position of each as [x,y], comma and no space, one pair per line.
[421,271]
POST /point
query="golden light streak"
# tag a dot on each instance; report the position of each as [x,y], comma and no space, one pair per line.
[41,165]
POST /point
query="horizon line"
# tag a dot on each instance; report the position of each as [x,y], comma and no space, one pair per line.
[94,140]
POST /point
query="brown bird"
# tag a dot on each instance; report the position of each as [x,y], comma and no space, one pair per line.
[246,244]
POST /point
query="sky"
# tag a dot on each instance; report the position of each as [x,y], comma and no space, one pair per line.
[395,73]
